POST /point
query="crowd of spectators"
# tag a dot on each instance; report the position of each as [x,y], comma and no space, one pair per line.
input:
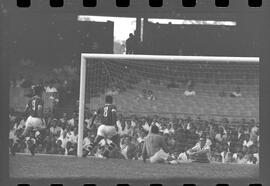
[234,141]
[60,83]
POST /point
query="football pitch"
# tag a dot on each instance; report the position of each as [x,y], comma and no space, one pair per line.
[95,169]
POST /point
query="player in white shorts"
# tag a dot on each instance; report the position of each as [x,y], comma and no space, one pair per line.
[35,119]
[107,129]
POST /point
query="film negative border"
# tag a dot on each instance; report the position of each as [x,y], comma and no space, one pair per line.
[154,184]
[127,3]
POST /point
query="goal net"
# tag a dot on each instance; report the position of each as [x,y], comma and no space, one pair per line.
[193,86]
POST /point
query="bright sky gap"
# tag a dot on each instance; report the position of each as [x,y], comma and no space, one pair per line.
[121,32]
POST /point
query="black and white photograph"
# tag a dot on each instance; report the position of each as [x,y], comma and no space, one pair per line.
[137,93]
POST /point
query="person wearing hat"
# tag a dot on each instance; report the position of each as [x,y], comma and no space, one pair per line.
[200,152]
[155,147]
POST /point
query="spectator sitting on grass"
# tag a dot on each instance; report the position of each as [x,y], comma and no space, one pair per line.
[58,149]
[87,141]
[200,152]
[155,147]
[128,149]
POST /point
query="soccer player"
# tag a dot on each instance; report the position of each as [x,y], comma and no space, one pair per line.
[35,119]
[108,128]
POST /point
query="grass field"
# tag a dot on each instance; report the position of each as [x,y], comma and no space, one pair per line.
[94,169]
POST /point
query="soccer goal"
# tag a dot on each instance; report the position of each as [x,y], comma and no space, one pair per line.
[170,85]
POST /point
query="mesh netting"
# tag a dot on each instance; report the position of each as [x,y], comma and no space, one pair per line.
[202,88]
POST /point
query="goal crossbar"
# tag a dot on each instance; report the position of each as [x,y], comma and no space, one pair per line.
[172,58]
[85,56]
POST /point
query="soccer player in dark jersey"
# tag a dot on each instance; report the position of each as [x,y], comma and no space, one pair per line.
[108,128]
[35,120]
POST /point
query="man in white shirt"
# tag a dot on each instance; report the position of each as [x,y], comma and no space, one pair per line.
[74,120]
[54,129]
[200,152]
[64,118]
[145,125]
[50,89]
[74,136]
[87,141]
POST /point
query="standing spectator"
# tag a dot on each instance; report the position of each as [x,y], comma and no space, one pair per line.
[55,130]
[74,120]
[130,43]
[58,148]
[64,119]
[19,81]
[254,131]
[191,136]
[145,125]
[50,88]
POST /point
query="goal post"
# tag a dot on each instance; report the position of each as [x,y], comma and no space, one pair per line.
[81,105]
[142,58]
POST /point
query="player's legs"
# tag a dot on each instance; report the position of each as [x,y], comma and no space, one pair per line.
[159,157]
[31,145]
[26,132]
[97,140]
[116,140]
[99,137]
[111,133]
[30,124]
[28,127]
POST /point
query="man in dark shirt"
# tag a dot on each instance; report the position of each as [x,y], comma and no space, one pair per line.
[155,147]
[107,129]
[130,42]
[35,120]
